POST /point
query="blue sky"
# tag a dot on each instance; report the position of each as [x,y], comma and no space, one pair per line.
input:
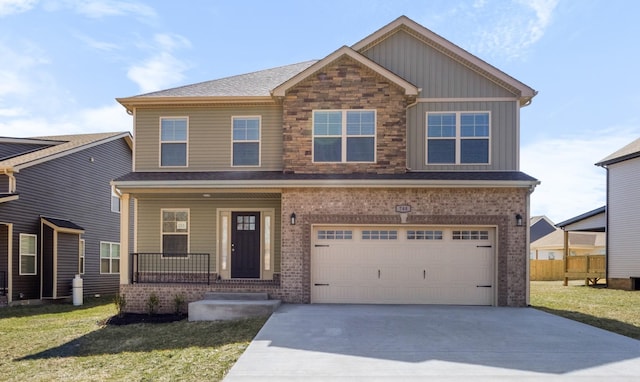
[64,61]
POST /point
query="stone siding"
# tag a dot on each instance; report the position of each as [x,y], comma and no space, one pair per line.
[345,85]
[492,207]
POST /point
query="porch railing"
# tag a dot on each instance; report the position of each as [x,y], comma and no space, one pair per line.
[3,283]
[184,268]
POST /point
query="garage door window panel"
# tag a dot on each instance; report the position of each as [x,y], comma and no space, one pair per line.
[470,235]
[379,235]
[335,235]
[424,235]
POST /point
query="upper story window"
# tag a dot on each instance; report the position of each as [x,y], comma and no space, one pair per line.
[115,201]
[344,135]
[246,141]
[173,141]
[458,138]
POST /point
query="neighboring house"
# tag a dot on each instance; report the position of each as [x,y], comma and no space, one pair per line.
[551,246]
[386,172]
[540,226]
[623,217]
[58,214]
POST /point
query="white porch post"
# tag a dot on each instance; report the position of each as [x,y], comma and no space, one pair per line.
[124,239]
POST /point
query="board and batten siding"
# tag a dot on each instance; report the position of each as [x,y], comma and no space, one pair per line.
[438,75]
[203,230]
[504,140]
[624,219]
[210,139]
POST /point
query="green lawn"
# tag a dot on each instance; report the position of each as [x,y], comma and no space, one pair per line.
[614,310]
[66,343]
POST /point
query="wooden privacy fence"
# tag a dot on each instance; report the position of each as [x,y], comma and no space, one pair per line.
[546,270]
[589,268]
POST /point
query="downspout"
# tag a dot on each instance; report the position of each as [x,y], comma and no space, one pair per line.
[406,159]
[606,231]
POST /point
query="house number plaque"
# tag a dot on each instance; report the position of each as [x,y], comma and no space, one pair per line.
[403,208]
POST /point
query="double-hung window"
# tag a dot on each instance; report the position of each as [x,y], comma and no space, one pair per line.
[246,141]
[344,136]
[175,232]
[81,257]
[173,141]
[109,257]
[458,138]
[28,254]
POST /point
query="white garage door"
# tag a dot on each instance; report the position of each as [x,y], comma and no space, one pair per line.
[403,265]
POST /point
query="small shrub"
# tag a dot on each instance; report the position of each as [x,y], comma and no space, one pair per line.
[153,302]
[121,303]
[178,303]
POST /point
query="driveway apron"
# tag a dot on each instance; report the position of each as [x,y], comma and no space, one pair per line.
[420,342]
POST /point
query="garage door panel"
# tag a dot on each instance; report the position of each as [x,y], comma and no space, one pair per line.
[435,266]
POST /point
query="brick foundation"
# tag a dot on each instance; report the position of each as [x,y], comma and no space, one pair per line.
[624,284]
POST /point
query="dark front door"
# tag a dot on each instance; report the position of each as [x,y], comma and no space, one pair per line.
[245,245]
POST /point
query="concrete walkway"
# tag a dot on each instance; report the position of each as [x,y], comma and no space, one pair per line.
[451,343]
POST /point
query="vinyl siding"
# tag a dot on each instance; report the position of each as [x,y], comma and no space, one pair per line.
[209,140]
[438,75]
[67,267]
[73,188]
[504,142]
[45,261]
[8,150]
[624,219]
[202,224]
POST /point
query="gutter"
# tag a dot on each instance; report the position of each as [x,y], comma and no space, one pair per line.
[279,184]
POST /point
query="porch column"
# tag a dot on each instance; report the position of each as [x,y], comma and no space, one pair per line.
[124,239]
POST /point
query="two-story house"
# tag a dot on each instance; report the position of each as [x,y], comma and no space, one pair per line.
[386,172]
[59,215]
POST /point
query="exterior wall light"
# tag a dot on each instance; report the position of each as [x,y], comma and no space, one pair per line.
[519,220]
[293,218]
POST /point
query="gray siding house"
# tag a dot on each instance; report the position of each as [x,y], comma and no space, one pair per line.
[386,172]
[623,217]
[59,215]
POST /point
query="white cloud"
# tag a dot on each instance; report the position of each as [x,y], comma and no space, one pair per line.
[571,183]
[101,119]
[162,69]
[106,8]
[9,7]
[98,45]
[496,28]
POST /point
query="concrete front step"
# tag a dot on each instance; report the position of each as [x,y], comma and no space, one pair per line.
[222,310]
[239,296]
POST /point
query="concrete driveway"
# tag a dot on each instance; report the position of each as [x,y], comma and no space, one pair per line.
[389,342]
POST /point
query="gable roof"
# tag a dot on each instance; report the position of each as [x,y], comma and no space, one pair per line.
[409,88]
[261,86]
[584,218]
[450,49]
[630,151]
[246,87]
[56,147]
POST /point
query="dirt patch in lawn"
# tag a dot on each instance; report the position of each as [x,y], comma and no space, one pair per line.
[143,318]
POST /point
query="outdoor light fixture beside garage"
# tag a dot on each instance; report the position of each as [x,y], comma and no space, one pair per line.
[519,220]
[293,218]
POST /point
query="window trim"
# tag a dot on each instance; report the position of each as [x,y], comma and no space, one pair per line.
[162,233]
[34,255]
[111,244]
[458,138]
[259,141]
[160,142]
[344,136]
